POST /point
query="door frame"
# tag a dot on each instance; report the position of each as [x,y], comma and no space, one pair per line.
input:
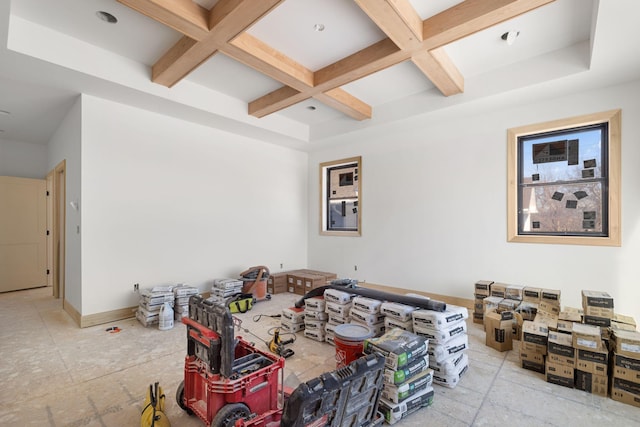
[56,220]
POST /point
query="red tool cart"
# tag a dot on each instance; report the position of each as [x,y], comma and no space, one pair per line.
[230,383]
[225,377]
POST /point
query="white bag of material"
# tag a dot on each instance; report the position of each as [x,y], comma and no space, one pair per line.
[439,319]
[440,352]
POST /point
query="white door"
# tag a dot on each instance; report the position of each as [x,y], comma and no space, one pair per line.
[23,219]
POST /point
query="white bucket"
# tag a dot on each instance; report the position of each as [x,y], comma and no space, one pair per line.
[166,317]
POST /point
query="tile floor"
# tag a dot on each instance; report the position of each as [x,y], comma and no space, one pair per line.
[55,374]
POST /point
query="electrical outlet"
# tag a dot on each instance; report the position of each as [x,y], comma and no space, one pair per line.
[136,287]
[281,265]
[355,268]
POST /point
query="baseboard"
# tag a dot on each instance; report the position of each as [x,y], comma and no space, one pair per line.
[107,316]
[72,312]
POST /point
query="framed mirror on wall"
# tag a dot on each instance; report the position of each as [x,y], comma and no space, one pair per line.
[341,197]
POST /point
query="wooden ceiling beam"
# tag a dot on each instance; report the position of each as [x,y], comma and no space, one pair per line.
[226,20]
[184,16]
[397,19]
[441,70]
[347,104]
[369,60]
[265,59]
[472,16]
[402,24]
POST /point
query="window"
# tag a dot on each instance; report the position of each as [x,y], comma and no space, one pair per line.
[340,189]
[564,181]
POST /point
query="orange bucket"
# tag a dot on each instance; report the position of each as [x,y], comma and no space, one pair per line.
[349,340]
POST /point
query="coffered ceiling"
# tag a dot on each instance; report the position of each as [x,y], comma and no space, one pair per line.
[294,72]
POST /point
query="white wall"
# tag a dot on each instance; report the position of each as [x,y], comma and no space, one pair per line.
[65,145]
[434,206]
[23,159]
[166,201]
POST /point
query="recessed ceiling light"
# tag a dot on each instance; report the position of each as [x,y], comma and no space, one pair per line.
[319,27]
[4,113]
[107,17]
[510,36]
[311,108]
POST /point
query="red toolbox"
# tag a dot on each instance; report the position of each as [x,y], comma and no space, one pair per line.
[226,379]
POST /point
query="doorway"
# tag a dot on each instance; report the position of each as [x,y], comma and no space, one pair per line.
[56,219]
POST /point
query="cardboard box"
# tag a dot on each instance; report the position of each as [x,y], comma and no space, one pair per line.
[531,294]
[312,281]
[625,397]
[508,304]
[626,385]
[627,320]
[535,333]
[596,299]
[478,305]
[499,330]
[533,348]
[599,312]
[626,368]
[595,362]
[532,366]
[560,350]
[532,356]
[559,374]
[295,283]
[546,319]
[586,337]
[478,318]
[549,309]
[591,383]
[491,303]
[528,310]
[277,283]
[276,289]
[550,295]
[498,290]
[567,317]
[482,288]
[627,343]
[603,322]
[278,279]
[515,292]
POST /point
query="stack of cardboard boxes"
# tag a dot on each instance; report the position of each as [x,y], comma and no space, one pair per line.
[591,349]
[482,290]
[625,386]
[298,281]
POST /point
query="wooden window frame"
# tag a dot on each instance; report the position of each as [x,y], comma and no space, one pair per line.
[324,198]
[614,120]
